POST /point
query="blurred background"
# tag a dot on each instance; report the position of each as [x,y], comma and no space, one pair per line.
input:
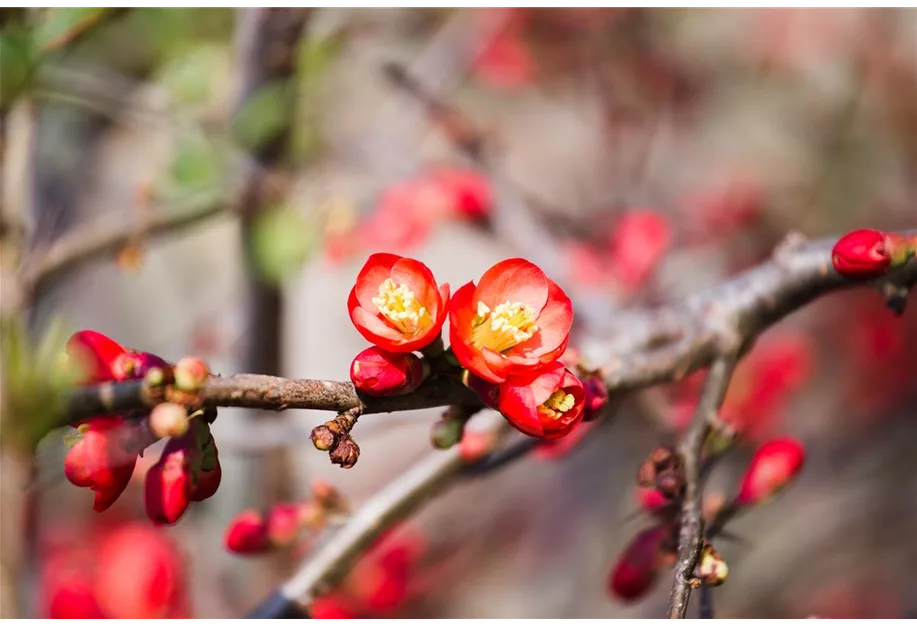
[637,155]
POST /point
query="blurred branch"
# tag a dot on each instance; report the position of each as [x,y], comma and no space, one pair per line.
[330,564]
[81,28]
[91,241]
[691,449]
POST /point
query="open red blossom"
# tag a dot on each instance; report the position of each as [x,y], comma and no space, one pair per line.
[773,465]
[862,254]
[635,571]
[514,321]
[171,482]
[396,305]
[380,373]
[247,534]
[548,404]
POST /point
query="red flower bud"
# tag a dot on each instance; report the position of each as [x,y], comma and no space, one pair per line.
[92,355]
[638,243]
[101,461]
[467,191]
[773,465]
[66,591]
[331,607]
[246,534]
[207,483]
[284,522]
[596,397]
[862,254]
[379,373]
[170,483]
[635,572]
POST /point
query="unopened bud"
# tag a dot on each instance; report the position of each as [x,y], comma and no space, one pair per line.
[773,466]
[596,397]
[283,524]
[327,496]
[246,534]
[346,453]
[447,433]
[312,515]
[380,373]
[862,254]
[711,567]
[475,445]
[169,420]
[190,374]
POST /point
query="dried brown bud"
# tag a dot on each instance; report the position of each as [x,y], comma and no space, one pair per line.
[662,456]
[312,515]
[328,496]
[646,474]
[323,438]
[346,453]
[670,483]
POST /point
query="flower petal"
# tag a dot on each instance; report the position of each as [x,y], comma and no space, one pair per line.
[513,280]
[419,279]
[554,325]
[460,316]
[376,269]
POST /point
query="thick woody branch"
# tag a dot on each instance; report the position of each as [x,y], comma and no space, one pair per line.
[691,449]
[263,392]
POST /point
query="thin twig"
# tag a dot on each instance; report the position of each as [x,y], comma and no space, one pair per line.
[691,449]
[327,567]
[96,240]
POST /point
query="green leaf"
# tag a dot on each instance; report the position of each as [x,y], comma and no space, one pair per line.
[191,76]
[197,165]
[282,241]
[262,118]
[16,61]
[58,25]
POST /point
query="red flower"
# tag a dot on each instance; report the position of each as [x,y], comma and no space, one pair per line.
[66,589]
[467,191]
[246,534]
[93,355]
[635,572]
[379,373]
[773,465]
[404,217]
[515,320]
[862,254]
[284,522]
[100,460]
[396,305]
[170,483]
[207,483]
[141,574]
[546,405]
[638,242]
[331,607]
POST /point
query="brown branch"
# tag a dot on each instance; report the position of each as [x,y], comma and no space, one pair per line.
[328,566]
[97,240]
[691,449]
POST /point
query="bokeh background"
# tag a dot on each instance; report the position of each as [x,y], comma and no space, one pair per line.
[637,155]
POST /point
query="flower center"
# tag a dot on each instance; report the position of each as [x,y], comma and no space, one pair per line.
[557,405]
[503,327]
[399,306]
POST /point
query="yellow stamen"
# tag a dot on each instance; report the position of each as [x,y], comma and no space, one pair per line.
[557,405]
[399,306]
[507,325]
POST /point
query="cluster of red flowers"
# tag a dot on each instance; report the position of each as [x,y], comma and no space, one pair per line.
[772,467]
[508,332]
[121,571]
[105,452]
